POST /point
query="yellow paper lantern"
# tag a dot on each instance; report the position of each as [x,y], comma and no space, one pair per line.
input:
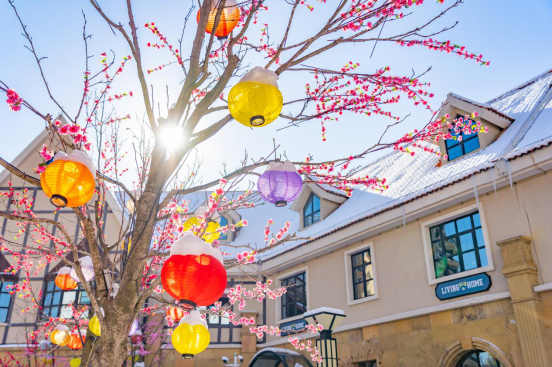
[75,362]
[210,234]
[69,181]
[256,100]
[60,335]
[191,337]
[94,326]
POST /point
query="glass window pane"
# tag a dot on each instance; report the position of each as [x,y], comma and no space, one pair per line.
[50,286]
[308,221]
[367,257]
[452,142]
[316,217]
[84,300]
[5,300]
[224,321]
[56,298]
[368,271]
[301,276]
[435,233]
[357,259]
[213,319]
[476,220]
[479,236]
[359,291]
[48,299]
[437,250]
[315,203]
[441,267]
[450,246]
[3,314]
[470,262]
[54,312]
[483,257]
[449,229]
[463,224]
[66,312]
[466,241]
[357,275]
[453,265]
[370,288]
[308,206]
[471,145]
[6,286]
[69,297]
[455,152]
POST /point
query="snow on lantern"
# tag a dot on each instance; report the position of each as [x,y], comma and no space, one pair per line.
[191,336]
[175,313]
[280,183]
[69,180]
[60,335]
[194,274]
[256,100]
[87,269]
[76,343]
[210,233]
[63,279]
[228,20]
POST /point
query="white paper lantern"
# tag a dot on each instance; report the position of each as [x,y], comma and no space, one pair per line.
[87,269]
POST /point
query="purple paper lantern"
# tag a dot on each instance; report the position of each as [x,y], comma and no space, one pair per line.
[280,183]
[133,327]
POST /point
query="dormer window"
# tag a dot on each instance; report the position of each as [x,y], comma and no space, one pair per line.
[311,210]
[457,147]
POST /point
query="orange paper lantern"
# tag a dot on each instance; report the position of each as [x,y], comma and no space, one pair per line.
[175,313]
[76,343]
[229,19]
[69,180]
[64,281]
[194,273]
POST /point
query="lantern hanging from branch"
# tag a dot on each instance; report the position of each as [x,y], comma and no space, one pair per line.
[191,336]
[63,279]
[134,327]
[210,234]
[229,18]
[87,269]
[175,313]
[94,326]
[280,183]
[60,335]
[69,180]
[194,274]
[75,362]
[76,343]
[256,100]
[137,337]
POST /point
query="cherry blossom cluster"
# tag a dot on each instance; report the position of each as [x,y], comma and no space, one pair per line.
[14,101]
[447,47]
[162,38]
[262,290]
[314,352]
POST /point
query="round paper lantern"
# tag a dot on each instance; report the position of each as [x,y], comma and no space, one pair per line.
[60,335]
[191,336]
[75,362]
[134,328]
[175,313]
[137,337]
[194,273]
[87,269]
[76,343]
[256,100]
[63,279]
[228,20]
[94,326]
[69,180]
[280,183]
[210,234]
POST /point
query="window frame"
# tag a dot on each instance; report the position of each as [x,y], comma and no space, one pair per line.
[349,284]
[278,308]
[310,202]
[79,290]
[428,249]
[461,143]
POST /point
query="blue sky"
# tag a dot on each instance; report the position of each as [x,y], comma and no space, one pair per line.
[513,35]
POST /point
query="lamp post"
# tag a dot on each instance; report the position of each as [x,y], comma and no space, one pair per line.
[237,358]
[329,318]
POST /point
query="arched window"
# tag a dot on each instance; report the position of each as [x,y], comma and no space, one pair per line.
[311,211]
[478,358]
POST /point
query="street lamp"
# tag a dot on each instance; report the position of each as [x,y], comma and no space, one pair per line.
[329,318]
[237,358]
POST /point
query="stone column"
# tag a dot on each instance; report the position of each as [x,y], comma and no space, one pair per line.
[248,339]
[521,272]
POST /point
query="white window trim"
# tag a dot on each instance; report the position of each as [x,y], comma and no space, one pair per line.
[428,252]
[304,269]
[348,274]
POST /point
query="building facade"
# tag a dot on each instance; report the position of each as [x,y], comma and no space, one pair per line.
[449,267]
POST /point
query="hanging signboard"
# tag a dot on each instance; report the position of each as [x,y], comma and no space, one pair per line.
[293,327]
[463,286]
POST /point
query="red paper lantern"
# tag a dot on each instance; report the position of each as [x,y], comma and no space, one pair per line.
[64,281]
[76,343]
[136,338]
[229,18]
[175,313]
[194,273]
